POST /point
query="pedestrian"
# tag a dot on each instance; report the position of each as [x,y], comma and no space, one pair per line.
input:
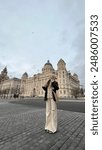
[51,107]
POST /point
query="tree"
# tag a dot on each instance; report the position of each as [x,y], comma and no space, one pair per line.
[75,92]
[82,92]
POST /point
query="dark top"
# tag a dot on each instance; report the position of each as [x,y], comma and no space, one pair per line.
[54,88]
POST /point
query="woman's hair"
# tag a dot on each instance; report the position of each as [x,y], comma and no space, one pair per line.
[53,76]
[48,82]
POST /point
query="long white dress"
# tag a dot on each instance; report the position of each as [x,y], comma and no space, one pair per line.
[51,112]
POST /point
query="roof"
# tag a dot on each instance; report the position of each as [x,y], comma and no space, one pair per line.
[48,63]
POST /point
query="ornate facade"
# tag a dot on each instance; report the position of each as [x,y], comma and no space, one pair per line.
[32,86]
[8,87]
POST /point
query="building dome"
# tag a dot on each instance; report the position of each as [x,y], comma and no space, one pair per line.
[48,64]
[25,75]
[75,75]
[48,67]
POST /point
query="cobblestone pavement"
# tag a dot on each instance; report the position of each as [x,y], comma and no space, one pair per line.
[22,128]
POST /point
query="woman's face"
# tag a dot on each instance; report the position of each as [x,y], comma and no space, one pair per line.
[52,79]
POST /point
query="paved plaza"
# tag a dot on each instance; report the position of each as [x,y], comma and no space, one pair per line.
[22,128]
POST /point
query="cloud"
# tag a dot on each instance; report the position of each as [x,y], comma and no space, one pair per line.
[31,32]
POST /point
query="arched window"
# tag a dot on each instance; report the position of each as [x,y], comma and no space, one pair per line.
[64,92]
[60,91]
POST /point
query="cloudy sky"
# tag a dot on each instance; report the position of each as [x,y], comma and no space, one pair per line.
[34,31]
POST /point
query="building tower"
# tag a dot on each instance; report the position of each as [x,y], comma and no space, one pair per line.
[62,78]
[3,75]
[23,83]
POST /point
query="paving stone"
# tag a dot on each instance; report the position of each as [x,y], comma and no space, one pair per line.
[22,128]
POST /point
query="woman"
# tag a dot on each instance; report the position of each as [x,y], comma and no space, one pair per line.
[51,107]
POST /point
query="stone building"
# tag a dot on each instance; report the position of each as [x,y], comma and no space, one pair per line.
[8,87]
[32,86]
[68,83]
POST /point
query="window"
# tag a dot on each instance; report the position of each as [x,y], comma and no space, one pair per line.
[64,92]
[59,75]
[60,92]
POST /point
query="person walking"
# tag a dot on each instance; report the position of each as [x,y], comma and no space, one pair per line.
[51,107]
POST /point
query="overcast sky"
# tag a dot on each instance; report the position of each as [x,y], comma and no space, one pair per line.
[34,31]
